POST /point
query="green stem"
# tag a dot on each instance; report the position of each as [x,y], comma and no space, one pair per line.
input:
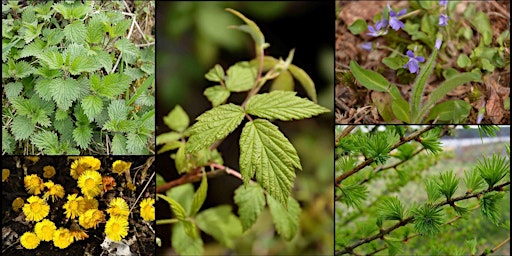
[166,221]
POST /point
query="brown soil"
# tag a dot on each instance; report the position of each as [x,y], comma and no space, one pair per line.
[141,236]
[356,105]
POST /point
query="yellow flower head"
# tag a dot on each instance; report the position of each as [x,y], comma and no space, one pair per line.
[45,229]
[90,203]
[83,164]
[121,166]
[33,184]
[116,228]
[91,218]
[147,210]
[62,238]
[48,171]
[118,208]
[29,240]
[54,190]
[74,206]
[36,208]
[91,183]
[5,174]
[77,233]
[17,204]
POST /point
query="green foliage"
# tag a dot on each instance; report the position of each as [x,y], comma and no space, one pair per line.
[391,209]
[494,169]
[267,160]
[59,75]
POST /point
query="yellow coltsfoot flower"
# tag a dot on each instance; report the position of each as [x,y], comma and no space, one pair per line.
[121,166]
[33,184]
[45,229]
[54,190]
[48,171]
[116,228]
[29,240]
[62,238]
[36,209]
[74,207]
[91,183]
[91,218]
[83,164]
[118,208]
[147,210]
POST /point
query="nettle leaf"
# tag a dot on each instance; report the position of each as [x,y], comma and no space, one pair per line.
[136,143]
[216,74]
[84,63]
[94,31]
[120,28]
[52,58]
[282,105]
[126,47]
[64,92]
[53,36]
[286,219]
[217,95]
[266,152]
[7,142]
[48,73]
[23,106]
[199,196]
[22,127]
[92,106]
[33,49]
[111,85]
[251,201]
[117,110]
[241,77]
[46,141]
[61,114]
[105,60]
[82,135]
[214,124]
[119,145]
[13,90]
[75,32]
[220,223]
[23,69]
[31,30]
[177,119]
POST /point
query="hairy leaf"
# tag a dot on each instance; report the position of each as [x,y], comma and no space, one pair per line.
[126,47]
[251,201]
[82,135]
[22,127]
[214,124]
[46,141]
[216,74]
[286,219]
[282,105]
[266,152]
[92,106]
[64,92]
[177,119]
[220,223]
[75,32]
[119,145]
[217,95]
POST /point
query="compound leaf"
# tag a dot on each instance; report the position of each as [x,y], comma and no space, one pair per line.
[220,223]
[282,105]
[286,220]
[266,152]
[216,94]
[251,201]
[214,124]
[177,119]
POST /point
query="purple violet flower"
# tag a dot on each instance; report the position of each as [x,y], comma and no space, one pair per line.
[439,41]
[413,63]
[394,22]
[443,20]
[377,31]
[367,46]
[443,2]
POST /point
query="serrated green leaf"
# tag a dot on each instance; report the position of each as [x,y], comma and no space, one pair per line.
[199,196]
[83,63]
[250,28]
[52,59]
[185,244]
[43,88]
[60,114]
[117,110]
[13,90]
[304,79]
[369,79]
[65,129]
[22,127]
[105,60]
[284,82]
[75,32]
[266,152]
[120,28]
[463,61]
[41,117]
[136,144]
[31,30]
[64,92]
[241,77]
[7,142]
[126,47]
[455,111]
[169,146]
[177,119]
[53,36]
[216,95]
[176,207]
[92,106]
[286,219]
[216,74]
[180,161]
[82,136]
[282,105]
[251,201]
[111,85]
[220,223]
[358,26]
[214,124]
[23,69]
[46,141]
[48,73]
[33,49]
[167,137]
[23,106]
[119,145]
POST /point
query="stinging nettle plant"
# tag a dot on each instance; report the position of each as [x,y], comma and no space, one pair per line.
[374,171]
[267,158]
[74,79]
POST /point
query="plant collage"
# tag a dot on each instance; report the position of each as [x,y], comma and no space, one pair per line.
[137,127]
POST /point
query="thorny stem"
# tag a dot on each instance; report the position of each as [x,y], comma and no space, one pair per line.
[349,249]
[371,160]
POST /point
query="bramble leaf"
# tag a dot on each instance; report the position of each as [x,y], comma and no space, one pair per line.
[176,207]
[183,243]
[286,219]
[220,223]
[240,77]
[304,79]
[199,196]
[216,95]
[266,152]
[216,74]
[177,119]
[250,28]
[251,201]
[282,105]
[214,124]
